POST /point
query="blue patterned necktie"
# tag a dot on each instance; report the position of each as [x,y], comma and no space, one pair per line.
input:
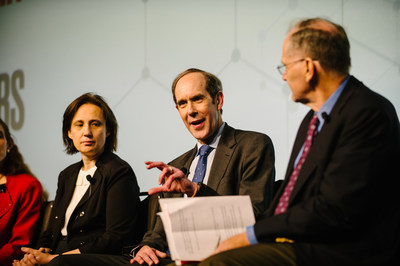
[202,163]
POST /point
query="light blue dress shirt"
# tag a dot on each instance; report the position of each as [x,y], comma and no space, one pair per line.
[326,108]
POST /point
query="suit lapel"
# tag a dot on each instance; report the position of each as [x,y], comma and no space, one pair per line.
[223,155]
[92,189]
[187,161]
[98,179]
[70,183]
[320,148]
[299,141]
[69,187]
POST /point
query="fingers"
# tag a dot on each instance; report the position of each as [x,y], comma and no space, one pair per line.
[236,241]
[155,190]
[28,250]
[160,254]
[172,178]
[27,260]
[31,260]
[146,255]
[177,174]
[166,171]
[45,250]
[175,184]
[159,165]
[218,250]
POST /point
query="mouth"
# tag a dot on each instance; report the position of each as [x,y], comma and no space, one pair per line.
[87,143]
[197,123]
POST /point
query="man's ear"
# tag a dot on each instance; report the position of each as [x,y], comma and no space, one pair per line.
[310,69]
[219,100]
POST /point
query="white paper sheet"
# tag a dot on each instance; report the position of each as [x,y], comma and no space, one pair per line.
[195,226]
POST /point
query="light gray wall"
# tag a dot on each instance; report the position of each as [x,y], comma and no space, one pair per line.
[129,51]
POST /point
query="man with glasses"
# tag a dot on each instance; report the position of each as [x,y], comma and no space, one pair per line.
[339,203]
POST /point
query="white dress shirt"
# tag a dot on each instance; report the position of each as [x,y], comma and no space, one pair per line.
[82,184]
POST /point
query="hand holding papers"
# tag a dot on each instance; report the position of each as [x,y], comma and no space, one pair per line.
[195,226]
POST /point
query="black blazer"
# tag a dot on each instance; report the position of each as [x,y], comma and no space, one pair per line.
[104,221]
[344,208]
[243,165]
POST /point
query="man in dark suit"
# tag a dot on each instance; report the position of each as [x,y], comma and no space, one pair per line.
[339,203]
[242,162]
[239,163]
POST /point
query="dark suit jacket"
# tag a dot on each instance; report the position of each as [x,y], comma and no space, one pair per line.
[344,209]
[243,165]
[102,222]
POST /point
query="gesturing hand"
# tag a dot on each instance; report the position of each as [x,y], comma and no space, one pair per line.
[172,179]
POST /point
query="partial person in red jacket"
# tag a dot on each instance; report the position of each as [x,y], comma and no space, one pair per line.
[20,200]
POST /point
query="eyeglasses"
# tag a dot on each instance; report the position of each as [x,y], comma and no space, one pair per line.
[282,67]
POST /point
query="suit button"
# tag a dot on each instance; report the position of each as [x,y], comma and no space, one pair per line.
[81,231]
[82,243]
[56,217]
[82,213]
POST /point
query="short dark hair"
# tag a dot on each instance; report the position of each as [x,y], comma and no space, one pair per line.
[213,84]
[111,121]
[331,48]
[14,163]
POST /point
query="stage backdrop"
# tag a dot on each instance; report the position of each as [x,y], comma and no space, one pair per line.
[129,51]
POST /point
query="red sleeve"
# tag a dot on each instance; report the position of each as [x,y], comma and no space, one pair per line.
[29,203]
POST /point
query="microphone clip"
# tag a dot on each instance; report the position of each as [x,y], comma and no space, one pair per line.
[91,180]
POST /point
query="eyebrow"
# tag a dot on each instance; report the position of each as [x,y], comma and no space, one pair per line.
[197,96]
[200,95]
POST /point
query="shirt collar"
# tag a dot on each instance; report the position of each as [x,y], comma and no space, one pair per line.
[330,103]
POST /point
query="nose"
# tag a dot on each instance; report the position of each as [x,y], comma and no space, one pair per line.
[87,131]
[284,76]
[192,109]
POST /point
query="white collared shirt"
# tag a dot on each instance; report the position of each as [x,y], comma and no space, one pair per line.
[81,185]
[210,158]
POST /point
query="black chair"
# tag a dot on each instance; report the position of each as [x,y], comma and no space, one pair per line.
[148,211]
[43,219]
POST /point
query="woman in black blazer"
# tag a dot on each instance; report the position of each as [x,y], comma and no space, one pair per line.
[96,205]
